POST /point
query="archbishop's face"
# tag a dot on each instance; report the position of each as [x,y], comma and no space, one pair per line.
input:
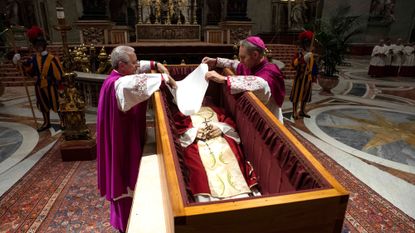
[131,66]
[246,58]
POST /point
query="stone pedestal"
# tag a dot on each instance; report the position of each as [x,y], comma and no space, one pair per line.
[94,31]
[234,31]
[214,34]
[327,83]
[78,150]
[119,34]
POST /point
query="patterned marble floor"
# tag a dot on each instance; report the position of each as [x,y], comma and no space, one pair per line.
[367,126]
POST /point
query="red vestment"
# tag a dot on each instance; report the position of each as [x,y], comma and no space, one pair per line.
[198,179]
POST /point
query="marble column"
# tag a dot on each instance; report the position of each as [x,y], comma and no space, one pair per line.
[194,8]
[139,12]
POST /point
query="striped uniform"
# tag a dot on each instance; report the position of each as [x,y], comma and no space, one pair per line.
[48,72]
[301,90]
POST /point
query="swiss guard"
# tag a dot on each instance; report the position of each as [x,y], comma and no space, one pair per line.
[306,74]
[47,70]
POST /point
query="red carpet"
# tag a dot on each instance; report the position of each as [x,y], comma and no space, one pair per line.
[55,196]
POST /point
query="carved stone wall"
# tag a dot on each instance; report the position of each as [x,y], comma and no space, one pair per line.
[162,32]
[94,31]
[234,31]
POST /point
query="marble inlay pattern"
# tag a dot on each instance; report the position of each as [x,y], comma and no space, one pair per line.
[10,141]
[378,135]
[358,89]
[28,141]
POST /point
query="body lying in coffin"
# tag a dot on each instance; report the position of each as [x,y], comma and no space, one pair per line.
[217,168]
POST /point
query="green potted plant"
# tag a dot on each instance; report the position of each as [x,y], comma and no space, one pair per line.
[331,42]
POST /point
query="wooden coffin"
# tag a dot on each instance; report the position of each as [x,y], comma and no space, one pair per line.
[298,194]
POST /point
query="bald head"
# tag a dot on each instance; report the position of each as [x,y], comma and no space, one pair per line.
[399,41]
[381,42]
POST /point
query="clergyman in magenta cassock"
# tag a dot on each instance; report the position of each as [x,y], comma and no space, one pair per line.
[253,73]
[121,126]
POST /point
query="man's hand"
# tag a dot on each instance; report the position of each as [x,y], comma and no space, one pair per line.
[162,69]
[211,62]
[208,132]
[214,76]
[214,132]
[201,134]
[172,82]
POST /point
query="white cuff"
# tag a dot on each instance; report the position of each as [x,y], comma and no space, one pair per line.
[227,130]
[165,77]
[189,137]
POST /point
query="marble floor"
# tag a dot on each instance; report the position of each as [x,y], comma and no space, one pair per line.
[367,126]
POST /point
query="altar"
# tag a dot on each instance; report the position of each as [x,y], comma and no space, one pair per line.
[167,20]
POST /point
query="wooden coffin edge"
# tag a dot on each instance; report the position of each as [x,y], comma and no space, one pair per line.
[326,175]
[176,195]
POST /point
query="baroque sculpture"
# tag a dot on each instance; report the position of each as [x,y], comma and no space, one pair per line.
[72,106]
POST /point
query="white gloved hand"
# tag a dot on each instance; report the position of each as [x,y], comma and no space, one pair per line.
[307,57]
[16,58]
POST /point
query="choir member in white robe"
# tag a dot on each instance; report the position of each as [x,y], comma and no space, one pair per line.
[408,63]
[396,61]
[377,60]
[388,59]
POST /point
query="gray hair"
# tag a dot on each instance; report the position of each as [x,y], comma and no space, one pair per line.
[251,47]
[121,53]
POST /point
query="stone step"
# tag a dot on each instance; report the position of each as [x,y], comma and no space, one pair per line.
[9,74]
[7,64]
[7,68]
[13,78]
[17,83]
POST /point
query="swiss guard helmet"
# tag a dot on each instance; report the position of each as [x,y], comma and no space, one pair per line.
[35,35]
[305,38]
